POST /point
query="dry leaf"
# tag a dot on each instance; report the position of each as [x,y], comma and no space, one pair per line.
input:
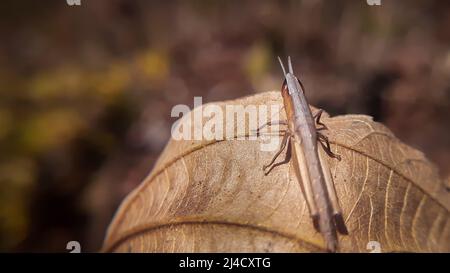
[212,196]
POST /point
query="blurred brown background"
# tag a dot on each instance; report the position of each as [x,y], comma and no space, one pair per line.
[86,91]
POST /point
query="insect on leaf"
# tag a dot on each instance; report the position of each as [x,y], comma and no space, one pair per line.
[212,196]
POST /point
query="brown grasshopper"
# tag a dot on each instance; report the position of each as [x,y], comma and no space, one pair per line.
[302,138]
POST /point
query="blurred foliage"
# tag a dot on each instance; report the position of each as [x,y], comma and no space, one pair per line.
[86,92]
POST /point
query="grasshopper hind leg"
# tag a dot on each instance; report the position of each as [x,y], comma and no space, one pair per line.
[337,212]
[340,223]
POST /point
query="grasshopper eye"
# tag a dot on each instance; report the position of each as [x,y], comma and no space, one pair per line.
[284,87]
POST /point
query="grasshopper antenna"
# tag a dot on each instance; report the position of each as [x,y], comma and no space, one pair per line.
[282,66]
[290,66]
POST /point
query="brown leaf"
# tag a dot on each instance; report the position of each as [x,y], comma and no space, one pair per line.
[212,196]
